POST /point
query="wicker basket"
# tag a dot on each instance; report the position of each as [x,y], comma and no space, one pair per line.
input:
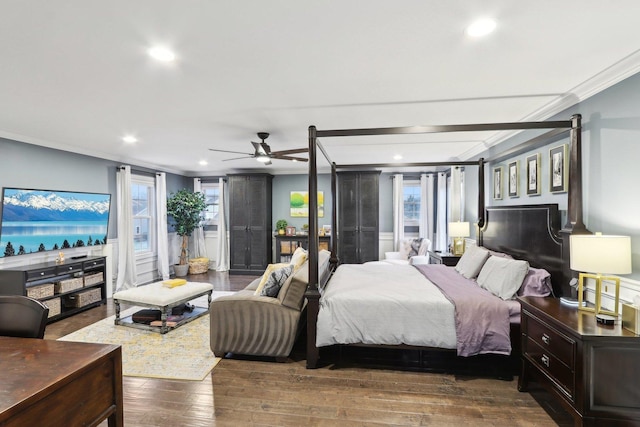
[69,285]
[41,291]
[54,306]
[198,265]
[93,279]
[83,298]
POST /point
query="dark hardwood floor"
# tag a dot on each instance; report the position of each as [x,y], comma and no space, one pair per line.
[346,391]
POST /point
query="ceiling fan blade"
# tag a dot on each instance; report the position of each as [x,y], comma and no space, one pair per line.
[227,151]
[238,158]
[297,159]
[293,151]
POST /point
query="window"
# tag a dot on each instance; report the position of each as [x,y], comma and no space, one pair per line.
[211,193]
[411,194]
[142,198]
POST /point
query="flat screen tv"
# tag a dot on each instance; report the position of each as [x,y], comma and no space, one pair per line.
[47,220]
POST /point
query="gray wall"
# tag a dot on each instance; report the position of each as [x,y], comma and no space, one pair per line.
[31,166]
[283,185]
[611,169]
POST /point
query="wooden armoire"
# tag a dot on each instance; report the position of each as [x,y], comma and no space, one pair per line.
[358,216]
[249,223]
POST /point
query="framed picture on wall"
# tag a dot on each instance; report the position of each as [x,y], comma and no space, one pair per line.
[299,204]
[514,177]
[533,175]
[497,183]
[558,169]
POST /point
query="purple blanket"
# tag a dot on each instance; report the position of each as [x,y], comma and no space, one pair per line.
[482,319]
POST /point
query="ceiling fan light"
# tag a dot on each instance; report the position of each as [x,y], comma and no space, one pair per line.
[263,159]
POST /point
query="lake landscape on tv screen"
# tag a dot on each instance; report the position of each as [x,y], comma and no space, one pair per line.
[42,220]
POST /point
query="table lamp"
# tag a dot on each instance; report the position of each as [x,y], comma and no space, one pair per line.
[458,230]
[601,254]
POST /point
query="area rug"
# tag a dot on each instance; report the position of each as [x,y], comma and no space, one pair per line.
[181,354]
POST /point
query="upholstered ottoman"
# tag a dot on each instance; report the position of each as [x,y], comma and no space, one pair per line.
[157,296]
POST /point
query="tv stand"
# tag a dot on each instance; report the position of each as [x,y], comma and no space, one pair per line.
[66,288]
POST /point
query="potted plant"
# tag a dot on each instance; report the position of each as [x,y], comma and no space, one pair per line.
[185,208]
[281,224]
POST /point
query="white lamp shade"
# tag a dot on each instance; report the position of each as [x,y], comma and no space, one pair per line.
[459,229]
[600,254]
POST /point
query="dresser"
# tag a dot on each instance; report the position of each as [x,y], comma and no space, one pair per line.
[591,369]
[445,258]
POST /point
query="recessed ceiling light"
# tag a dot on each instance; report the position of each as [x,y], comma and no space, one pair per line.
[161,54]
[203,163]
[397,157]
[129,139]
[481,27]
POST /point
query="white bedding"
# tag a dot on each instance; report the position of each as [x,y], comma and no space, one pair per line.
[387,304]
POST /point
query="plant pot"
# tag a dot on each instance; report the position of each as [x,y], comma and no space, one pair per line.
[281,231]
[181,270]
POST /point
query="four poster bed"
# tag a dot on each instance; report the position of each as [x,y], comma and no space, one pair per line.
[375,304]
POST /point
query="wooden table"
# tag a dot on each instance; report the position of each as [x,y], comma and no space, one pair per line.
[445,258]
[59,383]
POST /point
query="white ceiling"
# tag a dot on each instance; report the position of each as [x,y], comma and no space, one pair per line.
[75,75]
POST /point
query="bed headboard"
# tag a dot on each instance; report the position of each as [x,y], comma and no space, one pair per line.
[531,233]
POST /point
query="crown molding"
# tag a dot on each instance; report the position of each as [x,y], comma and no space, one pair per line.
[611,75]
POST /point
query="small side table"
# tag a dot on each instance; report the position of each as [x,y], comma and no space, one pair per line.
[445,258]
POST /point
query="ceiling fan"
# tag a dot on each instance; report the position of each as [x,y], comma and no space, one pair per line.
[264,154]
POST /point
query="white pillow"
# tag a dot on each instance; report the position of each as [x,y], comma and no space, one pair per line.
[471,262]
[502,276]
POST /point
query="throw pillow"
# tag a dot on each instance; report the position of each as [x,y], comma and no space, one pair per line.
[537,283]
[298,258]
[267,272]
[414,247]
[471,261]
[275,281]
[502,276]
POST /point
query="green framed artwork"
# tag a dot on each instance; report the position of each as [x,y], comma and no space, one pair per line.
[299,204]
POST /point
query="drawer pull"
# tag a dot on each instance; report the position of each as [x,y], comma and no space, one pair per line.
[42,273]
[546,339]
[545,360]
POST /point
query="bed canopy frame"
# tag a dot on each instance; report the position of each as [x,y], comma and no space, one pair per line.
[551,245]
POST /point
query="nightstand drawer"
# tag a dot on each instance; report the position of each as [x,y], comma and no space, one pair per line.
[559,372]
[552,341]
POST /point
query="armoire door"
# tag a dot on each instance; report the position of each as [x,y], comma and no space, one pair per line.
[358,211]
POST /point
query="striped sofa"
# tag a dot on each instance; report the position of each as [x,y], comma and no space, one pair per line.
[249,324]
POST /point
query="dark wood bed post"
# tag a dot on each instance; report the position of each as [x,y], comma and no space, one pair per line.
[481,208]
[334,216]
[312,294]
[574,224]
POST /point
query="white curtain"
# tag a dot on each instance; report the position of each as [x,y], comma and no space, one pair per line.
[199,247]
[456,194]
[223,248]
[162,234]
[126,253]
[441,214]
[462,196]
[398,210]
[426,207]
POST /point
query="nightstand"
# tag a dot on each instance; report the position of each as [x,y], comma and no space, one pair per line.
[590,368]
[445,258]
